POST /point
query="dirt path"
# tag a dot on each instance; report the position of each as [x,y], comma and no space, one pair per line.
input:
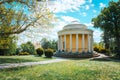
[13,65]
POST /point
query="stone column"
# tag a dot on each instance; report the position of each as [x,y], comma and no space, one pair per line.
[89,43]
[61,42]
[92,42]
[58,43]
[83,42]
[65,42]
[76,42]
[71,42]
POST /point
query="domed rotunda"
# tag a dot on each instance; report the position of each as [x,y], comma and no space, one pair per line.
[75,38]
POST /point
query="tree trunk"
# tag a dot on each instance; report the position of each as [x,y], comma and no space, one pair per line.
[117,41]
[106,40]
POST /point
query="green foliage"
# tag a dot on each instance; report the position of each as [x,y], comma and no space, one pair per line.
[45,43]
[40,51]
[18,50]
[100,49]
[23,53]
[7,45]
[49,44]
[28,47]
[96,49]
[109,21]
[17,15]
[49,53]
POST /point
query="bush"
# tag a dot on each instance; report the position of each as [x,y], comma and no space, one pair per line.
[23,53]
[100,49]
[49,53]
[96,49]
[103,50]
[40,51]
[18,50]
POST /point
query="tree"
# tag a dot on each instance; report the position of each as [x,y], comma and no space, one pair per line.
[8,45]
[49,44]
[109,21]
[17,16]
[28,47]
[45,43]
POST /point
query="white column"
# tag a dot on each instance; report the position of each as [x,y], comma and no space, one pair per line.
[58,43]
[83,42]
[61,42]
[89,43]
[76,42]
[65,42]
[70,42]
[92,42]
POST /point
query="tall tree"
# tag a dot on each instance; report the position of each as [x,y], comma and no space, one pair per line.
[109,21]
[17,16]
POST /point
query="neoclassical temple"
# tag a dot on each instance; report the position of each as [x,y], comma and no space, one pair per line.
[75,37]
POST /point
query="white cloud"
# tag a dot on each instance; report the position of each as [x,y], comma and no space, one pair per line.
[96,32]
[83,14]
[90,1]
[64,5]
[89,24]
[92,5]
[36,34]
[94,11]
[102,5]
[60,24]
[97,35]
[69,19]
[87,7]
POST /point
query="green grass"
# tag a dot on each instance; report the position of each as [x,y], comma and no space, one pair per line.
[19,59]
[68,70]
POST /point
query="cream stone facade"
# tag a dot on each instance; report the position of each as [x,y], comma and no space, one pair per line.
[75,37]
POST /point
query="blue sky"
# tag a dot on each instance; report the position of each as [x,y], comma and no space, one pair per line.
[80,10]
[67,11]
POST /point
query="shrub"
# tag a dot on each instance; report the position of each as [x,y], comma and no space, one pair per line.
[49,53]
[103,50]
[96,49]
[40,51]
[18,50]
[23,53]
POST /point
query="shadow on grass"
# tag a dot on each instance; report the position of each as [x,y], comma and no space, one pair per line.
[72,58]
[12,60]
[105,59]
[15,68]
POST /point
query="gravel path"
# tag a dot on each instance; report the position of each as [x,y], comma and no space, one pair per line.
[13,65]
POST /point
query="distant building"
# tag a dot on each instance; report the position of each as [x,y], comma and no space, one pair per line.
[37,45]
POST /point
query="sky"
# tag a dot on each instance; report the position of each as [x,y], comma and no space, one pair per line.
[67,11]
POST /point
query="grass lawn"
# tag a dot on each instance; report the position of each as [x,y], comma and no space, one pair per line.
[19,59]
[68,70]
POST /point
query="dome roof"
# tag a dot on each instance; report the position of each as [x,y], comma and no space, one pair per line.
[75,25]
